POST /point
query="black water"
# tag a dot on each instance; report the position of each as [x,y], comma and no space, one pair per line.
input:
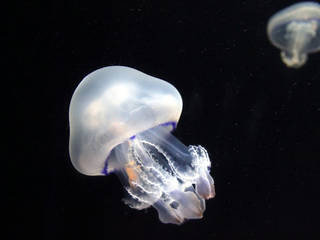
[258,119]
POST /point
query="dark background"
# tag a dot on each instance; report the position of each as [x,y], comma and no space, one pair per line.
[258,119]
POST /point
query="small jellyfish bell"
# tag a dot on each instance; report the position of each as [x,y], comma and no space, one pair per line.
[296,31]
[121,121]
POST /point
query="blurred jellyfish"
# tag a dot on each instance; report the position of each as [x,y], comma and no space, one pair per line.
[296,31]
[121,121]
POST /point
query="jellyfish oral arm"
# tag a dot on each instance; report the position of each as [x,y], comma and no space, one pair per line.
[160,171]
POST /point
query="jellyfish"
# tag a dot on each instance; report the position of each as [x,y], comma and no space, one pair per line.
[121,121]
[296,31]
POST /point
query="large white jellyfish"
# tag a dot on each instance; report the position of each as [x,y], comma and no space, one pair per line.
[296,31]
[121,121]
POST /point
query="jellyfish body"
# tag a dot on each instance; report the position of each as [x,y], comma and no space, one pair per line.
[121,121]
[296,31]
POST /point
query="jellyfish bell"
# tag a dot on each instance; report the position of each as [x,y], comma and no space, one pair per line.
[121,121]
[111,105]
[296,31]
